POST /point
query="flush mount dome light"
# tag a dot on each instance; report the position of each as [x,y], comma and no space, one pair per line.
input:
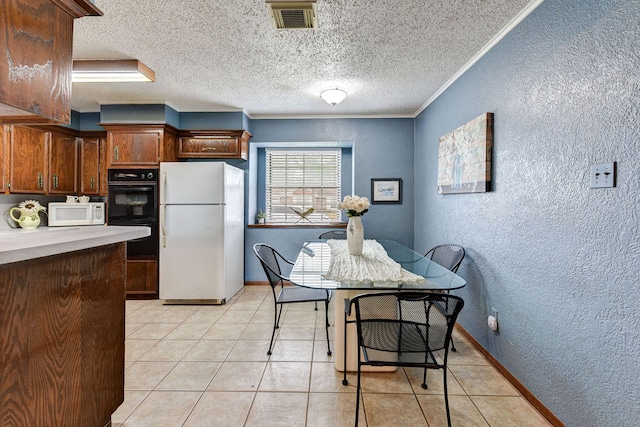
[102,70]
[333,96]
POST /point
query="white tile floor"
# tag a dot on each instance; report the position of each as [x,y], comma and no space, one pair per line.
[208,366]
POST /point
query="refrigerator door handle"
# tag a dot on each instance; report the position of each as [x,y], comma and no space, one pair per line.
[163,188]
[162,226]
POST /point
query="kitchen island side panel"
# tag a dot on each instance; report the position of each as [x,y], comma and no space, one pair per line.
[62,338]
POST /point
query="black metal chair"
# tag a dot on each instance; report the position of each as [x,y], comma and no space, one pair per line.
[449,256]
[405,329]
[334,234]
[290,294]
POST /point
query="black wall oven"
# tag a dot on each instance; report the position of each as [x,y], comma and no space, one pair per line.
[133,200]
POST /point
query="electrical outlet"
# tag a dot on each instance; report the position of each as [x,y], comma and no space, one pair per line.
[492,320]
[603,175]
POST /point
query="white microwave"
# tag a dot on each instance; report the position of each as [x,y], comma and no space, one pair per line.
[66,214]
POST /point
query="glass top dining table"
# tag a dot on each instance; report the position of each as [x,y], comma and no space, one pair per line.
[314,260]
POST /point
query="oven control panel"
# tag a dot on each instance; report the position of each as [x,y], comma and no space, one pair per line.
[133,175]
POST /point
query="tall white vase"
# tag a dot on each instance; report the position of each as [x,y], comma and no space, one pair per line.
[355,235]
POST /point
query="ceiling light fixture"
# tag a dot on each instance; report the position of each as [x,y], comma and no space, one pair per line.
[102,70]
[333,96]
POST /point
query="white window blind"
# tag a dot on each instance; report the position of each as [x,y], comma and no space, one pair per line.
[298,181]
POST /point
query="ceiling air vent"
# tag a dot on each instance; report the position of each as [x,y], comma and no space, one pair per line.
[290,14]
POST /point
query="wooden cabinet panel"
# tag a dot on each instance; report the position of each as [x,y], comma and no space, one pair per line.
[142,278]
[213,144]
[36,62]
[104,161]
[63,160]
[169,145]
[63,164]
[89,166]
[28,159]
[62,338]
[133,145]
[134,148]
[3,159]
[36,70]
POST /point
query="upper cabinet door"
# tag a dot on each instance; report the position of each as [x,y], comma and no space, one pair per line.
[63,164]
[89,166]
[213,144]
[134,147]
[3,159]
[36,62]
[28,164]
[104,162]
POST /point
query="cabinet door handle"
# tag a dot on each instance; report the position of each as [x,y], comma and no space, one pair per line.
[92,181]
[55,180]
[205,149]
[40,181]
[115,152]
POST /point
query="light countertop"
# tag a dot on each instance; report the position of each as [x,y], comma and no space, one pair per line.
[21,245]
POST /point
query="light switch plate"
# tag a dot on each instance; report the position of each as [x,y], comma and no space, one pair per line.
[603,175]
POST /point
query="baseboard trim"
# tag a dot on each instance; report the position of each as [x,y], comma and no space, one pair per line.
[256,283]
[537,404]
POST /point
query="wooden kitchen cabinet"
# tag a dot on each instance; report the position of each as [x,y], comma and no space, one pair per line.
[136,145]
[104,162]
[213,144]
[62,332]
[63,163]
[142,279]
[46,160]
[90,168]
[28,159]
[3,159]
[36,62]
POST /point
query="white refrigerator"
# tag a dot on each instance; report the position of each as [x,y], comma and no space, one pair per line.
[201,232]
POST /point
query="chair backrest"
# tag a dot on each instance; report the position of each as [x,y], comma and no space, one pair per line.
[449,256]
[268,257]
[410,324]
[334,234]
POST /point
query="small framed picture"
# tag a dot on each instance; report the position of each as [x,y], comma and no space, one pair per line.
[386,190]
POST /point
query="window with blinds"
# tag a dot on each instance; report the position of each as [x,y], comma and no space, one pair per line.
[303,186]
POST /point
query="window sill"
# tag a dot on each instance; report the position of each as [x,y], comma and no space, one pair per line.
[300,225]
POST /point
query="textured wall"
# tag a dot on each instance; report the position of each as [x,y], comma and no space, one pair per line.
[138,113]
[560,261]
[203,120]
[382,148]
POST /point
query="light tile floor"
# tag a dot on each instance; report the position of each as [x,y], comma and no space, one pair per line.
[203,365]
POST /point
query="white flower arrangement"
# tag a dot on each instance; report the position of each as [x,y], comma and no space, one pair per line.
[31,207]
[354,205]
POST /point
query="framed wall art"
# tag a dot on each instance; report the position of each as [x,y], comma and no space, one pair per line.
[464,157]
[386,190]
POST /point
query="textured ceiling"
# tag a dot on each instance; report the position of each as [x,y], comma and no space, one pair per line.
[224,55]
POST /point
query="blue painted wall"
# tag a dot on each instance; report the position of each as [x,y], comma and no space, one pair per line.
[382,148]
[89,121]
[133,113]
[560,261]
[159,113]
[204,120]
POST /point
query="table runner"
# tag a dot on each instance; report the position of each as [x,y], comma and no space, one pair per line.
[374,265]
